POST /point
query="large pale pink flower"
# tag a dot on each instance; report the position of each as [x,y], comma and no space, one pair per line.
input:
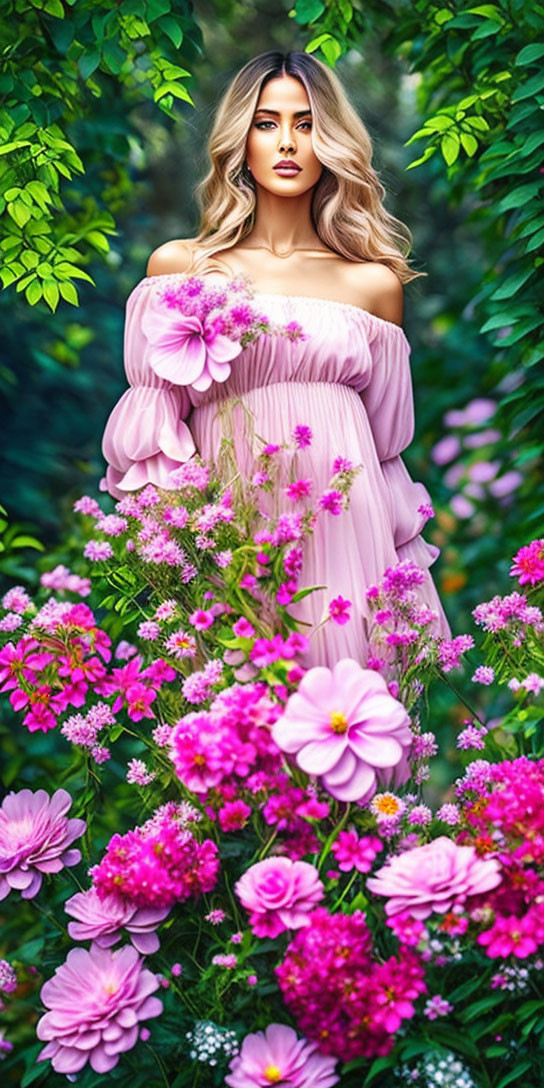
[35,838]
[278,1056]
[185,350]
[344,725]
[102,919]
[96,1001]
[279,893]
[435,877]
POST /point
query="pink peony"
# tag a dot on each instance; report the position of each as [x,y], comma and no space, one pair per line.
[35,838]
[186,350]
[344,725]
[435,877]
[96,1001]
[279,893]
[278,1056]
[102,919]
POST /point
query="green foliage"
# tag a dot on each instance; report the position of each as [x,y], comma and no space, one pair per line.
[70,74]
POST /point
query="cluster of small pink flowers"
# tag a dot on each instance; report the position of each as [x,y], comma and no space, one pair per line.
[528,563]
[225,959]
[157,864]
[437,1006]
[138,773]
[339,995]
[97,550]
[61,578]
[449,813]
[472,737]
[198,687]
[505,816]
[533,683]
[8,977]
[332,501]
[215,917]
[508,613]
[45,681]
[87,505]
[449,651]
[484,674]
[83,730]
[227,742]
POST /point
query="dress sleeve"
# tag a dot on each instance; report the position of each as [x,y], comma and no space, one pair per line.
[389,402]
[145,437]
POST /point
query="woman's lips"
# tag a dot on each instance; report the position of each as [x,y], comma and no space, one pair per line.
[288,171]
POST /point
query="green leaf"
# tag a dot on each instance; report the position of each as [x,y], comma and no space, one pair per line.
[172,29]
[88,63]
[518,196]
[528,89]
[33,292]
[449,146]
[514,1074]
[176,89]
[512,284]
[307,11]
[69,293]
[480,1007]
[487,11]
[469,143]
[530,53]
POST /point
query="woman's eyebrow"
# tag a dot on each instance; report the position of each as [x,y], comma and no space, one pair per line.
[263,109]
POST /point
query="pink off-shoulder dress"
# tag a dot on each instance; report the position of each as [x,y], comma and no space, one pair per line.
[350,382]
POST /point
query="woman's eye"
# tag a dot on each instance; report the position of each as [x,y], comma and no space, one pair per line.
[263,124]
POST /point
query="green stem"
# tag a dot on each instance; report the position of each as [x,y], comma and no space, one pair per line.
[459,696]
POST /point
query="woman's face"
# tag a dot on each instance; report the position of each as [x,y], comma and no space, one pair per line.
[281,129]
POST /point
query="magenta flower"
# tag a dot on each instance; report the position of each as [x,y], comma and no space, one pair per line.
[435,877]
[102,919]
[35,838]
[279,893]
[528,563]
[352,852]
[96,1001]
[344,725]
[278,1056]
[339,610]
[187,350]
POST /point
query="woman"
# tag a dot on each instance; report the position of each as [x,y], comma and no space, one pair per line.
[292,202]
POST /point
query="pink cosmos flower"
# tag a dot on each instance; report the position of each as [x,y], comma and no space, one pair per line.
[102,920]
[278,1056]
[186,350]
[113,996]
[344,725]
[528,563]
[434,877]
[35,837]
[279,893]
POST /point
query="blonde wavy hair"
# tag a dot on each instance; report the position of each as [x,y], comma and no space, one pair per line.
[347,203]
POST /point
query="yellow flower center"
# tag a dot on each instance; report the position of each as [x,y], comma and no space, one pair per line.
[272,1074]
[387,804]
[339,722]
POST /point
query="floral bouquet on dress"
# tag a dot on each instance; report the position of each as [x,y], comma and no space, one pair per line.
[195,330]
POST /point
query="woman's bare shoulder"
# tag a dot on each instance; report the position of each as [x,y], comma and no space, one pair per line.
[174,256]
[380,288]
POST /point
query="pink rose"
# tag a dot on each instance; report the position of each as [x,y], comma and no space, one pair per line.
[279,894]
[435,877]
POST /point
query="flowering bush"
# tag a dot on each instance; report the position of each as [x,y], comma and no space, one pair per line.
[253,836]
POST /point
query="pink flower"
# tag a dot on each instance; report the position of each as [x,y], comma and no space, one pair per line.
[234,815]
[528,563]
[434,877]
[187,350]
[201,619]
[343,725]
[278,1056]
[351,852]
[35,837]
[339,610]
[102,920]
[279,893]
[510,936]
[113,996]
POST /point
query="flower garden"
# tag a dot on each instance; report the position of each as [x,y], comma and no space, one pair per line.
[279,901]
